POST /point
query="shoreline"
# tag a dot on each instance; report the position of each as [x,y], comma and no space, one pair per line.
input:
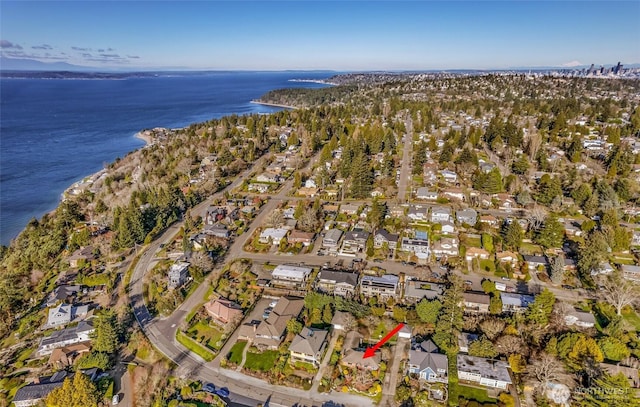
[257,102]
[144,136]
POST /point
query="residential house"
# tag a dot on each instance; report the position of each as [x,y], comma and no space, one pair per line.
[572,228]
[449,176]
[631,373]
[331,239]
[446,246]
[447,227]
[456,194]
[310,183]
[489,220]
[63,314]
[505,202]
[533,262]
[476,253]
[261,188]
[417,213]
[396,211]
[270,332]
[512,302]
[385,286]
[465,339]
[355,241]
[272,235]
[630,272]
[291,276]
[605,268]
[476,302]
[32,394]
[62,293]
[418,247]
[440,214]
[298,236]
[425,194]
[485,372]
[353,354]
[289,213]
[428,364]
[339,283]
[216,230]
[581,319]
[178,274]
[269,177]
[64,357]
[65,337]
[507,257]
[215,214]
[382,236]
[307,192]
[308,346]
[349,209]
[223,311]
[467,216]
[81,256]
[635,237]
[415,290]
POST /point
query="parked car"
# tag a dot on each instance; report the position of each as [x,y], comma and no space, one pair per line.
[209,388]
[377,261]
[267,312]
[223,392]
[273,304]
[115,400]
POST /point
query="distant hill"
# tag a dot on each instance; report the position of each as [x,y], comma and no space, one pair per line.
[17,64]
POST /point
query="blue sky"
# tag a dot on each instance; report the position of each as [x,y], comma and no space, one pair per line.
[359,35]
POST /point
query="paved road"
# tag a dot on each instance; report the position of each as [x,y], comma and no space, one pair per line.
[405,167]
[391,378]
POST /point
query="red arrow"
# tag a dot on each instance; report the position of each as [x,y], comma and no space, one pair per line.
[372,350]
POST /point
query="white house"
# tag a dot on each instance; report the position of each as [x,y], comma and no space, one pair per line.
[449,176]
[415,246]
[285,274]
[178,273]
[65,313]
[447,246]
[273,235]
[440,214]
[424,193]
[485,372]
[580,318]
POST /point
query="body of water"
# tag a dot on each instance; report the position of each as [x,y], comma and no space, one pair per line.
[54,132]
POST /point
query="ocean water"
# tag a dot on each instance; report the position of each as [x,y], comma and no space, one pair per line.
[54,132]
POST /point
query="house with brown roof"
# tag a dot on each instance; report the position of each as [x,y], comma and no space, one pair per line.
[476,302]
[223,311]
[64,357]
[269,333]
[81,256]
[507,257]
[353,354]
[298,236]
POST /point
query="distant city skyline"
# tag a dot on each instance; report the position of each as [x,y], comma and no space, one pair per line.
[332,35]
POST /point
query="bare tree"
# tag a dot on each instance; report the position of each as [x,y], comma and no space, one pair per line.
[545,369]
[349,322]
[508,344]
[492,327]
[309,220]
[202,261]
[619,292]
[557,269]
[537,215]
[533,146]
[274,219]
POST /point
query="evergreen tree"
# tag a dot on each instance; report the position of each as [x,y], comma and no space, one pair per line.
[79,392]
[450,321]
[361,177]
[551,234]
[540,309]
[105,337]
[512,235]
[548,189]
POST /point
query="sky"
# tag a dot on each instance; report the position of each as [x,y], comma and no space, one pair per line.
[333,35]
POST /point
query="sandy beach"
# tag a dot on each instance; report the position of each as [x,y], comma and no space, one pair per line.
[145,136]
[257,102]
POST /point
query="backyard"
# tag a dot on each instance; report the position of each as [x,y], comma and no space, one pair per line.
[262,362]
[206,335]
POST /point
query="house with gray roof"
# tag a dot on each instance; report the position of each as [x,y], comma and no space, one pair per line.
[440,214]
[62,293]
[385,286]
[415,290]
[64,337]
[308,345]
[428,364]
[331,239]
[630,272]
[382,236]
[512,302]
[336,282]
[485,372]
[63,314]
[33,393]
[178,274]
[468,216]
[354,242]
[581,319]
[426,194]
[291,276]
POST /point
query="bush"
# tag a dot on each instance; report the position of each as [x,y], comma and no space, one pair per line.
[94,359]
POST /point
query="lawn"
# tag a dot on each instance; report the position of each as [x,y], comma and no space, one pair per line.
[472,393]
[211,335]
[631,317]
[235,354]
[263,362]
[530,249]
[487,265]
[195,347]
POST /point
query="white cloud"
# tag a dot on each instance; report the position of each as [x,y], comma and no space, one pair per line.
[572,64]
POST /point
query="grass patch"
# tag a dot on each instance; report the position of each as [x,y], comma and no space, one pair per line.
[379,332]
[472,393]
[632,317]
[261,361]
[235,354]
[195,347]
[205,333]
[530,249]
[623,259]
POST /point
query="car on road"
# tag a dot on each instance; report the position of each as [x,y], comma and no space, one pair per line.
[209,388]
[377,261]
[222,392]
[505,278]
[115,400]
